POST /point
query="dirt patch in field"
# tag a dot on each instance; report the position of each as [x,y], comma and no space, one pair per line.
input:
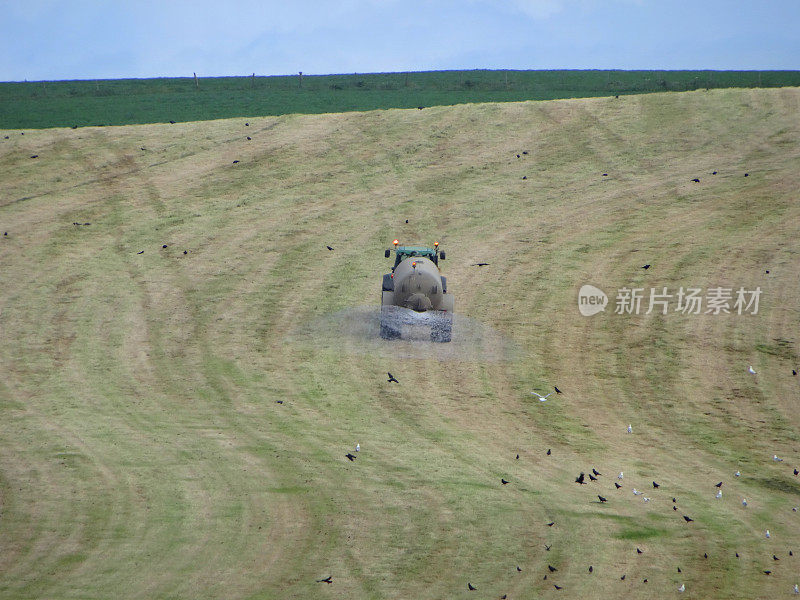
[357,331]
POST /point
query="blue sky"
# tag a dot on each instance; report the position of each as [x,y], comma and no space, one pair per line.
[89,39]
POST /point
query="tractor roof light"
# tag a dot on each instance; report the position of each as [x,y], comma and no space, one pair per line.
[395,243]
[435,244]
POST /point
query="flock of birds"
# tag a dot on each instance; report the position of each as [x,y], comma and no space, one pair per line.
[594,476]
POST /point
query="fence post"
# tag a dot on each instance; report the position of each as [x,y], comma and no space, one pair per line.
[300,79]
[196,84]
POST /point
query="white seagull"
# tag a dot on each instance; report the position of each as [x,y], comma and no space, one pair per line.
[796,589]
[620,475]
[767,534]
[719,494]
[682,588]
[636,492]
[630,429]
[358,447]
[737,474]
[646,499]
[744,502]
[751,370]
[776,459]
[541,398]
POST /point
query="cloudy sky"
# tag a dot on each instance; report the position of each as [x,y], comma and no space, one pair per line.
[88,39]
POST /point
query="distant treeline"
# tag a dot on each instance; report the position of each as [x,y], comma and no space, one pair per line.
[38,104]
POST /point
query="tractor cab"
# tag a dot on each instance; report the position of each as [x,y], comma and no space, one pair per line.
[404,252]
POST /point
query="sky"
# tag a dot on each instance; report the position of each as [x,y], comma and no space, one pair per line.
[95,39]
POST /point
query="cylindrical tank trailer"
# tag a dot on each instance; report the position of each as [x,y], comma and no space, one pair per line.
[415,284]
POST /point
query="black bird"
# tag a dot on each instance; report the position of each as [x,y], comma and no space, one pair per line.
[142,252]
[602,499]
[656,485]
[547,548]
[718,484]
[524,176]
[480,264]
[142,148]
[548,450]
[605,174]
[558,391]
[794,372]
[674,508]
[503,481]
[622,578]
[74,126]
[503,597]
[186,252]
[713,172]
[687,519]
[391,378]
[552,568]
[595,472]
[790,553]
[279,401]
[34,156]
[638,551]
[579,479]
[551,523]
[420,107]
[524,151]
[517,457]
[518,569]
[674,500]
[646,267]
[747,174]
[247,124]
[406,220]
[645,581]
[164,246]
[558,587]
[249,138]
[471,587]
[618,485]
[236,161]
[350,457]
[767,572]
[517,155]
[796,471]
[328,579]
[591,569]
[737,555]
[592,477]
[329,248]
[775,557]
[679,570]
[705,554]
[696,180]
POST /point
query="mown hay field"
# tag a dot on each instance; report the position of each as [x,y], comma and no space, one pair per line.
[144,452]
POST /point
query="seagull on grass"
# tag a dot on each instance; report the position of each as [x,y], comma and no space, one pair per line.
[751,370]
[541,398]
[630,429]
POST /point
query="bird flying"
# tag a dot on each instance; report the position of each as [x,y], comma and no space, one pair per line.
[392,378]
[541,398]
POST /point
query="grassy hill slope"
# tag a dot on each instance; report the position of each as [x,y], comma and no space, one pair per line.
[143,451]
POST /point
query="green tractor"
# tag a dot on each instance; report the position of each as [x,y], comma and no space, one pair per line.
[415,293]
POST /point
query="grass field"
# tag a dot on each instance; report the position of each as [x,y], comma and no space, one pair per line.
[143,451]
[45,104]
